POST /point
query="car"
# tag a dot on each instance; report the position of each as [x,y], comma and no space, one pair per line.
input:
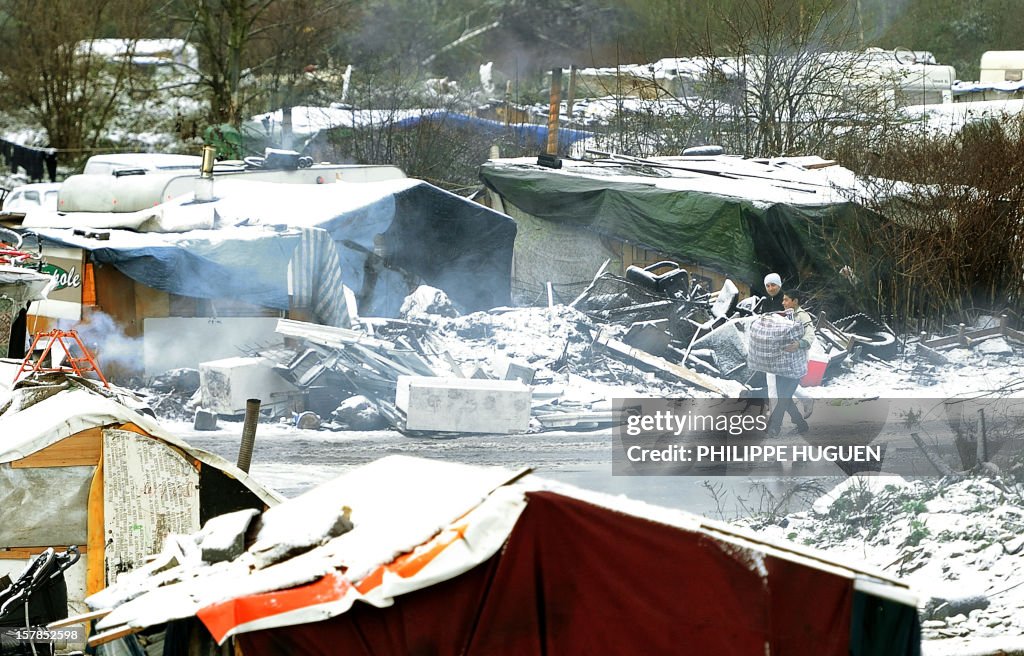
[32,196]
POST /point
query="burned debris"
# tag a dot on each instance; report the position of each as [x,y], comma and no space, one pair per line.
[437,373]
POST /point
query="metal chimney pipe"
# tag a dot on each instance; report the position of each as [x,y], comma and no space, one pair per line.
[252,418]
[204,185]
[206,168]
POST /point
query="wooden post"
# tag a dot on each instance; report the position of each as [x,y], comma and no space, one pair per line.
[553,110]
[572,91]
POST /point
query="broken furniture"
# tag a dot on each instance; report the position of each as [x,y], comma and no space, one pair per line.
[968,338]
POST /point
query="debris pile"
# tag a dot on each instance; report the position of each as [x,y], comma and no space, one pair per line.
[645,334]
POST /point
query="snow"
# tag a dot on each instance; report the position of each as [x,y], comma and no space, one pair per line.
[947,539]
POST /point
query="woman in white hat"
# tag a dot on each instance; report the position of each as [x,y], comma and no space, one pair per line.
[773,301]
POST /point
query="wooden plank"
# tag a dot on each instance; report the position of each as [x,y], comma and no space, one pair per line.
[1015,335]
[113,634]
[84,618]
[931,354]
[965,338]
[660,364]
[600,272]
[96,537]
[24,553]
[81,449]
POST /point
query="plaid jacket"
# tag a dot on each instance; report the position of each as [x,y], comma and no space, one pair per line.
[769,333]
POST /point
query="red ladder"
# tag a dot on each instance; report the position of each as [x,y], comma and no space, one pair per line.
[79,365]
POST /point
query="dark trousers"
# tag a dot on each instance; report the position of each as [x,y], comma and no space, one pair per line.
[784,388]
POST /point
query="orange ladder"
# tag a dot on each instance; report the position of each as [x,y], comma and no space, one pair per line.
[79,365]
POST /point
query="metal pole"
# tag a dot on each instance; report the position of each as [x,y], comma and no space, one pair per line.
[252,418]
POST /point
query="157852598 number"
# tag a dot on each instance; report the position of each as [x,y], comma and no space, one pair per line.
[41,634]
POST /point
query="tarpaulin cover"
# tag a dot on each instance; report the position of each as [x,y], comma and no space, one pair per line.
[404,232]
[576,578]
[723,224]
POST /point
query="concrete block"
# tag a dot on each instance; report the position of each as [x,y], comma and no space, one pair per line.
[463,405]
[204,420]
[508,369]
[227,384]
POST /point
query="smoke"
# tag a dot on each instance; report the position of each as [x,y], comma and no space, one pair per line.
[346,80]
[107,342]
[486,79]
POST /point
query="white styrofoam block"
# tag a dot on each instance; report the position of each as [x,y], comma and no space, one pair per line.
[227,384]
[463,405]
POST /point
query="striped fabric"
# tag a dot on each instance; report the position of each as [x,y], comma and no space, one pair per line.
[769,333]
[315,271]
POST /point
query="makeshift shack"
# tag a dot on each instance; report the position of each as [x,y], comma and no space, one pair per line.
[406,556]
[717,216]
[260,249]
[80,467]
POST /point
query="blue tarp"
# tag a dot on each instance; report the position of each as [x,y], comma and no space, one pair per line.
[391,236]
[527,135]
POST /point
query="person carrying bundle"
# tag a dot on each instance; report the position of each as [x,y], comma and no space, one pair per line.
[779,345]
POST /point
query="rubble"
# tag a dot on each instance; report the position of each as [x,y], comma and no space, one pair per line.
[427,301]
[358,413]
[637,334]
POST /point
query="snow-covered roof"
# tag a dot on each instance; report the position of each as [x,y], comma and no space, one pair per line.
[808,181]
[396,507]
[31,429]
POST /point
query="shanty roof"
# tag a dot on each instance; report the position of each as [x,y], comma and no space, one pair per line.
[32,428]
[240,244]
[740,216]
[310,120]
[401,525]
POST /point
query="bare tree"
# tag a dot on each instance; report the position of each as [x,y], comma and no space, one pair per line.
[251,50]
[54,75]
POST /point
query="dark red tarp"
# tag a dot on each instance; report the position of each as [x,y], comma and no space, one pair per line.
[576,578]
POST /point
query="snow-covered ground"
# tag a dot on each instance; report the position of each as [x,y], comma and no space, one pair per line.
[955,539]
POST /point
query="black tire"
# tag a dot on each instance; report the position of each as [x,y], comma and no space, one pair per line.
[879,344]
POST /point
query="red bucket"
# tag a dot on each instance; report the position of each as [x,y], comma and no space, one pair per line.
[815,372]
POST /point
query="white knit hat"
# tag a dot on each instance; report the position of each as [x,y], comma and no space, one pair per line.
[773,279]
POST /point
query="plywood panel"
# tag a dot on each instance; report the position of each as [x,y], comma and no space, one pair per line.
[24,553]
[77,450]
[150,302]
[81,449]
[115,295]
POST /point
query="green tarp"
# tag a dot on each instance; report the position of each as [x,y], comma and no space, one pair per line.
[742,237]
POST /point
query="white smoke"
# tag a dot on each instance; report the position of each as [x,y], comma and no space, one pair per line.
[486,78]
[346,79]
[107,342]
